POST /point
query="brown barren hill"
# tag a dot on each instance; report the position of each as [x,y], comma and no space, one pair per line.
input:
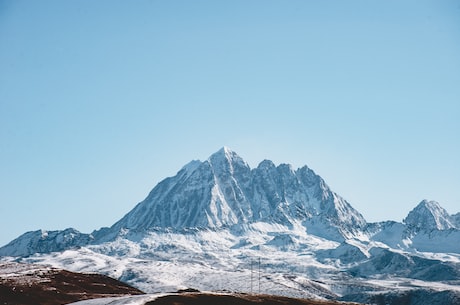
[27,284]
[236,299]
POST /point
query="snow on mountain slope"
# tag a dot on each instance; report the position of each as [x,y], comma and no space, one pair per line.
[207,260]
[418,296]
[125,300]
[270,259]
[391,233]
[438,241]
[406,265]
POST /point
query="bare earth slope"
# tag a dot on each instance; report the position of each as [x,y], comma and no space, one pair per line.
[24,284]
[235,299]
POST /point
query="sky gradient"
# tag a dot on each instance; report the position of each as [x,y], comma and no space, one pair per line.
[101,100]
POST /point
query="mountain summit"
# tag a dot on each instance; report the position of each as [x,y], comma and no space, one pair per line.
[224,191]
[429,215]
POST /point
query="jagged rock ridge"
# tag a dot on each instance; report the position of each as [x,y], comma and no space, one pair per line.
[224,191]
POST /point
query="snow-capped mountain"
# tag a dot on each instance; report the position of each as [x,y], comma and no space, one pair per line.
[224,191]
[427,228]
[206,226]
[42,241]
[429,215]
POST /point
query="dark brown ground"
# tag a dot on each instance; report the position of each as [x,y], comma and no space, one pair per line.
[22,284]
[56,287]
[235,299]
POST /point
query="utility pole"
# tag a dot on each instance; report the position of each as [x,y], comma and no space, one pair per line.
[259,275]
[251,275]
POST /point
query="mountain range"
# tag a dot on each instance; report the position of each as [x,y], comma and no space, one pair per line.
[220,224]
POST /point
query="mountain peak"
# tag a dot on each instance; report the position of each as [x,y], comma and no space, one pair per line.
[226,160]
[430,204]
[225,153]
[226,150]
[429,214]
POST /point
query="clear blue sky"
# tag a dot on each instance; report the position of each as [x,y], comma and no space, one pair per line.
[101,100]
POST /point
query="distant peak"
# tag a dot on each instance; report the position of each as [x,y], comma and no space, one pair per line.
[430,206]
[429,214]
